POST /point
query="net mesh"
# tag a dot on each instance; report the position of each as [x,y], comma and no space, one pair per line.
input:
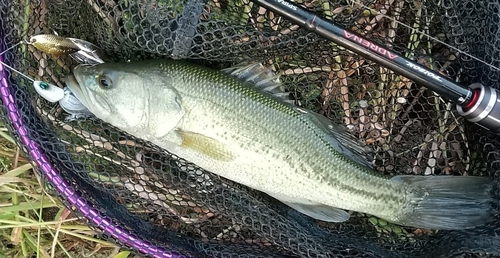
[173,204]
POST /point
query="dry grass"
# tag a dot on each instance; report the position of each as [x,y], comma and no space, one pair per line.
[34,223]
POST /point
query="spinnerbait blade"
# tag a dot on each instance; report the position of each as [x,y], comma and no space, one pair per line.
[80,50]
[88,53]
[53,44]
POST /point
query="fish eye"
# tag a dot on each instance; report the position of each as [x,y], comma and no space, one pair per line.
[104,81]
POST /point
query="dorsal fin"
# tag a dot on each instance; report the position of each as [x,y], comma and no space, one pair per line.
[343,141]
[262,78]
[265,80]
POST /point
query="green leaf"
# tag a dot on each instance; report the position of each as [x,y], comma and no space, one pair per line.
[122,254]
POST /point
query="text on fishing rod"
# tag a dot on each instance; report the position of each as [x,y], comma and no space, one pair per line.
[285,3]
[370,45]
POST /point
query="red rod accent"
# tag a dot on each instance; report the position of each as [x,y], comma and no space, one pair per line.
[473,100]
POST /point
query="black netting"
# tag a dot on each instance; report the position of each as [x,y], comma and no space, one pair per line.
[173,204]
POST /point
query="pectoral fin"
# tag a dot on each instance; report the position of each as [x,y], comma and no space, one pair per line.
[314,210]
[205,145]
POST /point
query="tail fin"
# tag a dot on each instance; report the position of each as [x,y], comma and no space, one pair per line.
[447,202]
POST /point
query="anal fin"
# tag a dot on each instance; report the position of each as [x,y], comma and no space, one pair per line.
[320,212]
[314,210]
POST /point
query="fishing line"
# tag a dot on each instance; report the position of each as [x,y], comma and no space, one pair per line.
[12,68]
[13,46]
[428,36]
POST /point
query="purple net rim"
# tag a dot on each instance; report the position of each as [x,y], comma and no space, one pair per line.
[65,189]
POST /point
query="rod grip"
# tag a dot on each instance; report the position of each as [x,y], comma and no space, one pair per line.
[486,110]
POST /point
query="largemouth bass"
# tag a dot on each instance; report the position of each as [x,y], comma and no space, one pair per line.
[229,123]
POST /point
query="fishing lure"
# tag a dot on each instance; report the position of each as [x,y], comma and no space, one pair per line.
[67,100]
[80,50]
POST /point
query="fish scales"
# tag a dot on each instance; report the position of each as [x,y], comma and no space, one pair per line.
[289,134]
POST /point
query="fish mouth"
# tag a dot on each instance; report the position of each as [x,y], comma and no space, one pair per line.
[75,87]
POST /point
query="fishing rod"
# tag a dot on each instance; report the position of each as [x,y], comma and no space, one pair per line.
[477,103]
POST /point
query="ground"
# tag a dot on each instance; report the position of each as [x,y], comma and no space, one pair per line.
[34,222]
